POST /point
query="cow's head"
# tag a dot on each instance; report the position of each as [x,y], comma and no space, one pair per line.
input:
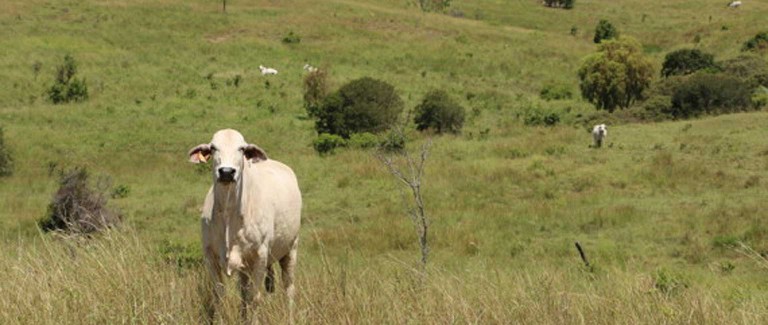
[601,129]
[228,151]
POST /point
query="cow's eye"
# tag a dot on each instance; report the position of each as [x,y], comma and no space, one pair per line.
[213,148]
[242,149]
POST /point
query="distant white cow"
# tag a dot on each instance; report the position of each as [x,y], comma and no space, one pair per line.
[734,4]
[251,218]
[309,68]
[267,71]
[599,133]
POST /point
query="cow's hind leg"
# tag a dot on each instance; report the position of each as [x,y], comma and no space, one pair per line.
[288,266]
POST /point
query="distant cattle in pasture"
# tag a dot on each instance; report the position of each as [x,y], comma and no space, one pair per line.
[267,71]
[599,133]
[309,68]
[734,4]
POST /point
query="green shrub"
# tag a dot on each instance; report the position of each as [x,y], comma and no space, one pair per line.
[615,76]
[292,38]
[6,162]
[326,143]
[758,43]
[77,208]
[605,30]
[686,61]
[363,140]
[66,88]
[316,88]
[706,93]
[362,105]
[556,92]
[439,112]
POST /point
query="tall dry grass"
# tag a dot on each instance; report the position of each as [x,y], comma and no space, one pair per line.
[118,279]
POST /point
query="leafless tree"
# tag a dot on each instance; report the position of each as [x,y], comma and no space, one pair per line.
[409,170]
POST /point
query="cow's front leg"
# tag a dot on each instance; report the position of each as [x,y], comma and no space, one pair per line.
[260,271]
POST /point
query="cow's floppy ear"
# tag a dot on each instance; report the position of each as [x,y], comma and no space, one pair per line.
[254,153]
[200,154]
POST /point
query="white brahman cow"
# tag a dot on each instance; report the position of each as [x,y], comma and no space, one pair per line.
[250,219]
[734,4]
[599,132]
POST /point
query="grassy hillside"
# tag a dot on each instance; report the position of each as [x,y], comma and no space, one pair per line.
[661,210]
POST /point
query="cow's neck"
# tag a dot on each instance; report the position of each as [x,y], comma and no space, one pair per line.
[227,198]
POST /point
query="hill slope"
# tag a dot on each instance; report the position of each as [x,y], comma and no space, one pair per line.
[507,201]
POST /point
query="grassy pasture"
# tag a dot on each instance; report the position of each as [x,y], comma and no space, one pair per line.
[661,210]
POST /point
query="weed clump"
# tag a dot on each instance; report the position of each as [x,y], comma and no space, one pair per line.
[66,88]
[668,282]
[316,88]
[566,4]
[440,113]
[78,209]
[362,105]
[538,117]
[555,92]
[292,38]
[6,162]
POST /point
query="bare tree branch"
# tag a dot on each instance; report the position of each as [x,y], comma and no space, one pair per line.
[416,210]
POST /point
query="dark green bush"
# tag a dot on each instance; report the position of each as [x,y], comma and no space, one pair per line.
[605,30]
[706,93]
[66,88]
[556,92]
[362,105]
[686,61]
[6,162]
[77,208]
[439,112]
[758,43]
[328,143]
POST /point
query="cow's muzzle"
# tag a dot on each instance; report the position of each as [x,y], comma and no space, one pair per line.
[227,174]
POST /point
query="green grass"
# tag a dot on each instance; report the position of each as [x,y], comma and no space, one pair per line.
[661,209]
